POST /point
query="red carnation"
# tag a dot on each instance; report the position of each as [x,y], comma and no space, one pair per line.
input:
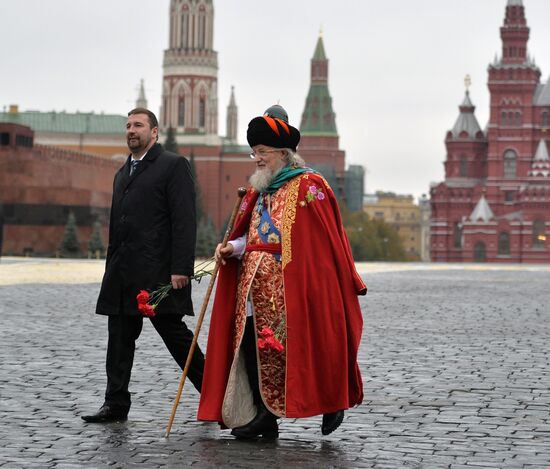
[274,344]
[142,297]
[266,332]
[147,310]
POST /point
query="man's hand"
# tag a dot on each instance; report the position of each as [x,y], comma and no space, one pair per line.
[179,281]
[222,253]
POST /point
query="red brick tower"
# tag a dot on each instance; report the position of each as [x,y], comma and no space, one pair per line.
[494,204]
[190,95]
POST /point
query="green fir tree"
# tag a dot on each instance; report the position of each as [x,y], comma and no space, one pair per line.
[170,143]
[96,244]
[70,247]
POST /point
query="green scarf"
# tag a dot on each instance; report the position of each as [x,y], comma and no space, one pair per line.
[286,174]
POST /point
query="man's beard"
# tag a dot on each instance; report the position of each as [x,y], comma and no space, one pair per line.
[137,146]
[262,178]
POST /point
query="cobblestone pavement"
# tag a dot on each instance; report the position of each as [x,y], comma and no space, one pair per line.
[455,365]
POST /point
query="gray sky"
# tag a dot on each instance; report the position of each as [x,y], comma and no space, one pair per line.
[396,66]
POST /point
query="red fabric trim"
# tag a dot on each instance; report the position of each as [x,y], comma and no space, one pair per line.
[273,248]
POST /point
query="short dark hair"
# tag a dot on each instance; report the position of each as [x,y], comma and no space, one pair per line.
[153,122]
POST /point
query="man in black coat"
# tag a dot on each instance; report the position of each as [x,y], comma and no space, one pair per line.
[151,243]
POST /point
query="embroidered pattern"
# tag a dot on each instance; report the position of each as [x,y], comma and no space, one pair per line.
[313,193]
[273,238]
[261,277]
[289,217]
[265,227]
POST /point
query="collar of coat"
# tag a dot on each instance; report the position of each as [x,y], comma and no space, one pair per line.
[151,155]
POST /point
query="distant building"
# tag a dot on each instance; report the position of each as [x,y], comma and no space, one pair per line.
[402,214]
[98,134]
[425,215]
[494,205]
[354,187]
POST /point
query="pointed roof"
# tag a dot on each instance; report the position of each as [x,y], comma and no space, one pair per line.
[467,101]
[542,152]
[318,118]
[542,97]
[512,3]
[142,100]
[466,121]
[232,102]
[319,53]
[482,212]
[541,161]
[232,118]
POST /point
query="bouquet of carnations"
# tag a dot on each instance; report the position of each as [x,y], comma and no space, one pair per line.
[148,302]
[272,339]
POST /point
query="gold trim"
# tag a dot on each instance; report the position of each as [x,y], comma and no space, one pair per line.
[289,217]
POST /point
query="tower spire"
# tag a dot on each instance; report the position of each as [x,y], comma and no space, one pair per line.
[232,118]
[142,100]
[318,117]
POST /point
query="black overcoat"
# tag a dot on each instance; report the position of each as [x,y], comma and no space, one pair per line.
[152,234]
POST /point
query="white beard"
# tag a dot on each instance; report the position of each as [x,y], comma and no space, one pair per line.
[261,179]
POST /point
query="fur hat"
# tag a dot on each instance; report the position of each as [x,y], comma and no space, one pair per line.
[272,132]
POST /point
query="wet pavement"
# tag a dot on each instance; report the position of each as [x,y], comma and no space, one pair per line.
[455,365]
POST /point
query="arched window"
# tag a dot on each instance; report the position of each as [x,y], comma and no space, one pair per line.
[457,235]
[510,163]
[202,112]
[480,252]
[504,243]
[518,120]
[202,27]
[503,118]
[544,119]
[185,28]
[539,233]
[181,111]
[463,166]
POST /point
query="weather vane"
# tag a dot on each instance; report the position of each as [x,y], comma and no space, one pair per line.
[467,82]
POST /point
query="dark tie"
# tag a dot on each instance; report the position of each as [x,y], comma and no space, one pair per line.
[134,165]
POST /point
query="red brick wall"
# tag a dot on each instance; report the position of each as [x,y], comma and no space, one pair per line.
[49,176]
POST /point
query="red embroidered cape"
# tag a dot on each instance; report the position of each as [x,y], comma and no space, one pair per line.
[324,320]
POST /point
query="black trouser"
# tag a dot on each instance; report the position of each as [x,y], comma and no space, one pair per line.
[123,333]
[248,347]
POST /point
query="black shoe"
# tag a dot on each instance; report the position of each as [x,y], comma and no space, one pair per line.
[264,425]
[331,422]
[107,414]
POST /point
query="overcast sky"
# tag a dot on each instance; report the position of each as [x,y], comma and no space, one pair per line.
[396,67]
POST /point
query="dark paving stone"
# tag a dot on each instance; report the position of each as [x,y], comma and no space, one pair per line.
[455,364]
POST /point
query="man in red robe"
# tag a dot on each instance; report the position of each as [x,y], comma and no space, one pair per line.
[286,321]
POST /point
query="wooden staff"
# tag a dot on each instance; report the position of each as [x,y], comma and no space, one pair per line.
[241,193]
